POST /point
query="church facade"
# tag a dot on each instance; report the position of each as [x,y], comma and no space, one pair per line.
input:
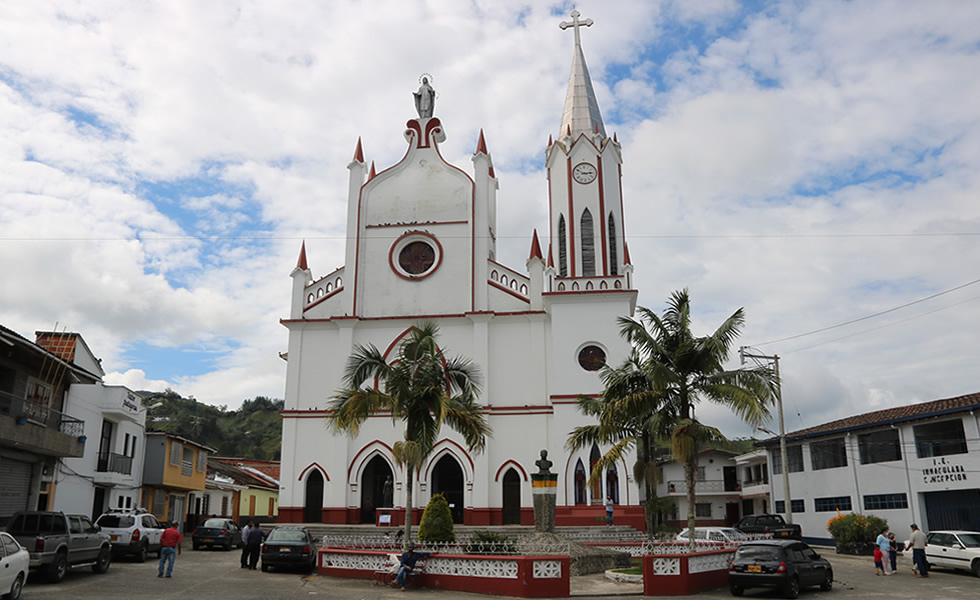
[421,246]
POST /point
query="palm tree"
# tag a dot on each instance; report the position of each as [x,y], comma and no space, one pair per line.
[630,415]
[420,387]
[685,369]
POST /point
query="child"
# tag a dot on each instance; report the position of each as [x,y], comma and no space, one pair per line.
[879,566]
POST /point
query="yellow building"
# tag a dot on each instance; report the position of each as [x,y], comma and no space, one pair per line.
[174,466]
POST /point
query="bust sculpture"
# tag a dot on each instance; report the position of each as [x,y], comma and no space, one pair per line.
[544,464]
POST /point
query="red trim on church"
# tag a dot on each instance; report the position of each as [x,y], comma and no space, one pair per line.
[508,463]
[316,466]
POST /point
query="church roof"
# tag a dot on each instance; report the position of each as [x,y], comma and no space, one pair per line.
[359,152]
[535,247]
[581,113]
[301,263]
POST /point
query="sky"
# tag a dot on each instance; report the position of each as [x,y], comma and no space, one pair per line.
[816,163]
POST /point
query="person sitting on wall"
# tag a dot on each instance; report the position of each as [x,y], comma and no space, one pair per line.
[408,560]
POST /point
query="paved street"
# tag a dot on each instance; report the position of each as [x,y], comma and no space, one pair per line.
[216,574]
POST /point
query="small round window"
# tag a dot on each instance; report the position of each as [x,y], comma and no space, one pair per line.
[591,358]
[415,255]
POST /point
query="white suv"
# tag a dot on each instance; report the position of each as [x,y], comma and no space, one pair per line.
[133,532]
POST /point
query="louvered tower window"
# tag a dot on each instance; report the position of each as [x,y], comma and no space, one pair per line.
[562,251]
[588,245]
[613,257]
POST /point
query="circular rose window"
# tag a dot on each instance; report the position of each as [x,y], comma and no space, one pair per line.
[591,358]
[415,255]
[416,258]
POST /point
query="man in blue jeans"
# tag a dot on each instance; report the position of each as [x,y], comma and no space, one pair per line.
[917,541]
[169,549]
[408,560]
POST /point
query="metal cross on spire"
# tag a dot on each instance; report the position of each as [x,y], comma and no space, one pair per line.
[576,24]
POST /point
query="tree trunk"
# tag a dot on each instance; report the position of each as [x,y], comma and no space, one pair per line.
[408,509]
[690,469]
[649,517]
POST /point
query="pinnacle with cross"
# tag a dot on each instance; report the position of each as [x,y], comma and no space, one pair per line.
[576,24]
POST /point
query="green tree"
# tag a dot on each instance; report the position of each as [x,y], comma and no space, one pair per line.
[631,414]
[437,521]
[685,369]
[421,388]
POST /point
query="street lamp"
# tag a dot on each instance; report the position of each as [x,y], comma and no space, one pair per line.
[787,502]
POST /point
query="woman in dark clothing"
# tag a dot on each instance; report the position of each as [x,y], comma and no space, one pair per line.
[894,547]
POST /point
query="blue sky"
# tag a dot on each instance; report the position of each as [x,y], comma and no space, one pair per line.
[813,162]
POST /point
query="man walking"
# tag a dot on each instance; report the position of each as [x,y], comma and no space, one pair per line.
[245,531]
[170,541]
[917,541]
[254,544]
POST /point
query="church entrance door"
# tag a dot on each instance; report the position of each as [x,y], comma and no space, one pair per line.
[373,488]
[512,498]
[313,507]
[447,479]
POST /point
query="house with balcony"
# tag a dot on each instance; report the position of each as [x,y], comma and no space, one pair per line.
[36,433]
[173,468]
[718,493]
[109,472]
[753,476]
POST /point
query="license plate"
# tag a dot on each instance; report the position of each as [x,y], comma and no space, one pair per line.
[285,549]
[208,540]
[114,538]
[754,569]
[784,533]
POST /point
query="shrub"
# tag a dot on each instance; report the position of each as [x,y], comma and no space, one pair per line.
[488,542]
[855,533]
[437,521]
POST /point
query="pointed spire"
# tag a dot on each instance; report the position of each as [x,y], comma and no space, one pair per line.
[372,172]
[615,137]
[535,247]
[551,259]
[581,113]
[492,174]
[358,152]
[481,145]
[301,263]
[551,140]
[626,254]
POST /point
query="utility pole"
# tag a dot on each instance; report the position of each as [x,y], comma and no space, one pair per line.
[743,354]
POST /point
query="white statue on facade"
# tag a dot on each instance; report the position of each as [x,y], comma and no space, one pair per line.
[425,99]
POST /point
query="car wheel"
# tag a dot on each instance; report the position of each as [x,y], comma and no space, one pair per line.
[736,590]
[57,569]
[792,589]
[102,563]
[976,567]
[828,581]
[141,555]
[228,546]
[265,567]
[197,546]
[16,588]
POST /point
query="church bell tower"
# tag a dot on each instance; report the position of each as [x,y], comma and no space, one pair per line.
[588,250]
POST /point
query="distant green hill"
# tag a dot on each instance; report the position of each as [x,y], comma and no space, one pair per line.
[254,431]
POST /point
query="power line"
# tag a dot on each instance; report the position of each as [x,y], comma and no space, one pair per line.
[877,314]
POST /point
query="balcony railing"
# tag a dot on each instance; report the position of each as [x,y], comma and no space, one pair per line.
[707,486]
[21,408]
[111,462]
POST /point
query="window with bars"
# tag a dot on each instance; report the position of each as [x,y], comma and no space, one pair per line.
[879,446]
[831,504]
[562,248]
[176,452]
[613,256]
[885,501]
[828,454]
[702,510]
[940,439]
[588,244]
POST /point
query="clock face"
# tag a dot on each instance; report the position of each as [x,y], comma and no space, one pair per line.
[584,173]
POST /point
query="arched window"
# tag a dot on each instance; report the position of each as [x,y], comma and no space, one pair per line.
[562,248]
[588,245]
[612,484]
[594,457]
[580,479]
[613,257]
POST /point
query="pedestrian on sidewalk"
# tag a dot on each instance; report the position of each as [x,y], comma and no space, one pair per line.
[245,531]
[893,551]
[609,510]
[885,546]
[170,541]
[879,566]
[917,541]
[255,538]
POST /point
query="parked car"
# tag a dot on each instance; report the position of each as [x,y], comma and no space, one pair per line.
[57,542]
[726,535]
[217,532]
[289,547]
[954,550]
[773,525]
[15,562]
[788,565]
[133,532]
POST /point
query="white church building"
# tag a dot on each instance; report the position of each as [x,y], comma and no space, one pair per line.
[421,245]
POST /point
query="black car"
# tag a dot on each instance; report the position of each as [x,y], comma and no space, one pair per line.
[289,547]
[217,532]
[785,564]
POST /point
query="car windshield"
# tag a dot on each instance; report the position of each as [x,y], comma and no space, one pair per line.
[970,540]
[287,535]
[757,553]
[116,521]
[216,523]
